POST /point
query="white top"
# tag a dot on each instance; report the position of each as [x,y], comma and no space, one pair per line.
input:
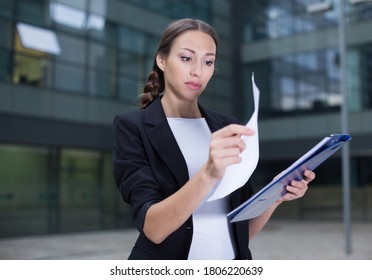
[212,231]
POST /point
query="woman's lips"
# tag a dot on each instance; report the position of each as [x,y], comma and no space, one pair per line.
[193,85]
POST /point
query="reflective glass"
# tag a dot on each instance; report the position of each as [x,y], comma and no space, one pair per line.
[131,40]
[81,4]
[5,34]
[5,65]
[31,65]
[151,45]
[108,34]
[69,78]
[360,12]
[32,12]
[129,89]
[73,48]
[137,2]
[24,190]
[366,75]
[102,56]
[276,19]
[68,16]
[332,70]
[102,84]
[32,70]
[159,5]
[99,6]
[222,87]
[116,213]
[7,8]
[130,64]
[180,8]
[304,82]
[80,196]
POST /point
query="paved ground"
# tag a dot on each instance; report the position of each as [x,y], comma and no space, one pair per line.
[279,240]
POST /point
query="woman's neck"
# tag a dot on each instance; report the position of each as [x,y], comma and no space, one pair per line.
[174,108]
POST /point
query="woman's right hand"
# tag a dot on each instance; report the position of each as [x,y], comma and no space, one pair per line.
[225,148]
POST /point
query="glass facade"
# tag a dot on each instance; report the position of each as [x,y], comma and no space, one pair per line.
[275,19]
[49,190]
[82,62]
[308,81]
[91,57]
[297,66]
[50,53]
[24,190]
[99,57]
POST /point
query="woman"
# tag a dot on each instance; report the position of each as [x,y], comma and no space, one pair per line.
[169,155]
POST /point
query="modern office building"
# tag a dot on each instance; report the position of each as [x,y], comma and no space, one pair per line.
[68,67]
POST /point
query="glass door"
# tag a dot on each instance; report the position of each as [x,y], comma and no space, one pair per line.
[80,190]
[24,190]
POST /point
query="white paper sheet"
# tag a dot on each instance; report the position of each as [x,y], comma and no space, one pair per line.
[237,175]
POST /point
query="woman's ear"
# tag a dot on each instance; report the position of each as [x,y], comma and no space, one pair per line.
[160,61]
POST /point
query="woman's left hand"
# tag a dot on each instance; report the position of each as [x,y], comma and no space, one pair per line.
[298,189]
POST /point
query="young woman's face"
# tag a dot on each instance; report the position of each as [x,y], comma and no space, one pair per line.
[189,65]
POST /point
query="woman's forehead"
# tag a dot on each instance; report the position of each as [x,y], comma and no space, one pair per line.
[195,40]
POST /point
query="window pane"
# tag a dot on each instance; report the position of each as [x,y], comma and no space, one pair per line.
[32,11]
[302,82]
[32,70]
[69,78]
[23,190]
[106,35]
[101,84]
[7,8]
[102,56]
[276,19]
[128,90]
[5,65]
[131,40]
[5,34]
[73,49]
[130,64]
[80,190]
[68,16]
[115,211]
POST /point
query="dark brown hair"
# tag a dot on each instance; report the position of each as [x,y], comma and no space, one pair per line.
[155,82]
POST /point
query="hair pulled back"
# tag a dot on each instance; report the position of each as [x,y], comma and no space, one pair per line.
[155,82]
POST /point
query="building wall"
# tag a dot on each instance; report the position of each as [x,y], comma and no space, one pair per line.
[295,58]
[56,109]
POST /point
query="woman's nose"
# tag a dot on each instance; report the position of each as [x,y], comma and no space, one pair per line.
[196,71]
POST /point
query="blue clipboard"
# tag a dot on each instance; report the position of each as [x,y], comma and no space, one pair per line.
[263,199]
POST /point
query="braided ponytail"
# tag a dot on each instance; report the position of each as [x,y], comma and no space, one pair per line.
[154,86]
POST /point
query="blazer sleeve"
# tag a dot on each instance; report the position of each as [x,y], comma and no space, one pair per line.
[132,170]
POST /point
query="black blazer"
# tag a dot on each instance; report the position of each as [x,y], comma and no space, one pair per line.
[148,166]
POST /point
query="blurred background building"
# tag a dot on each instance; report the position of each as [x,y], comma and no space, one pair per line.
[67,67]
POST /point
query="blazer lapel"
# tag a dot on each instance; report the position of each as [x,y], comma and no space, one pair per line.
[163,141]
[214,121]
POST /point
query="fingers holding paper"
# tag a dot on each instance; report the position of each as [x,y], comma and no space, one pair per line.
[225,148]
[298,189]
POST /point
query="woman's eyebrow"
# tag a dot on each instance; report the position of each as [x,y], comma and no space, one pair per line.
[192,51]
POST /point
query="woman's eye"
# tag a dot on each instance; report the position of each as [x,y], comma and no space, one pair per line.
[209,62]
[186,58]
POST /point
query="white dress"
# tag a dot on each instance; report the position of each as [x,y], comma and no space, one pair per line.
[211,230]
